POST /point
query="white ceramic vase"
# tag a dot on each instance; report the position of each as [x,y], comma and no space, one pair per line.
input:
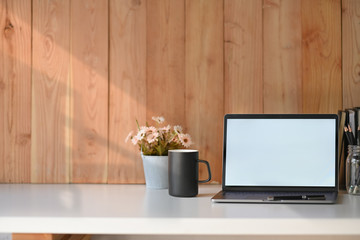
[156,171]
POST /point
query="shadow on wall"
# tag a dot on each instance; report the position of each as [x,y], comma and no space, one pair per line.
[56,124]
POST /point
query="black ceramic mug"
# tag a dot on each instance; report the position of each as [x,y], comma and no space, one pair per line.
[184,172]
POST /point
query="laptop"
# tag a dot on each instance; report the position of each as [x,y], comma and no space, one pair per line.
[279,158]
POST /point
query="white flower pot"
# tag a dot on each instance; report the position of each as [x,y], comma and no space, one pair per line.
[156,171]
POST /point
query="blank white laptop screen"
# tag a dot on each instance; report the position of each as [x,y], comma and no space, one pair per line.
[280,152]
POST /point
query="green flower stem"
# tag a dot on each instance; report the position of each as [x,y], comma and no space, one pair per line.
[137,124]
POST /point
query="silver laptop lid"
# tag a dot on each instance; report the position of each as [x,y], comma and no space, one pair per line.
[280,152]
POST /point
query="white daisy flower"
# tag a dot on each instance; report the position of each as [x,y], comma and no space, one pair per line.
[134,140]
[141,133]
[152,137]
[185,140]
[158,119]
[178,129]
[151,130]
[165,129]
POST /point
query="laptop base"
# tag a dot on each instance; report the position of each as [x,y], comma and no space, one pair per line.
[261,197]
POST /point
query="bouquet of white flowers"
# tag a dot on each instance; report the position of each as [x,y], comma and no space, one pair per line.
[159,140]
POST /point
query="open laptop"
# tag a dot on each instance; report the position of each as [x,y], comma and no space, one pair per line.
[279,158]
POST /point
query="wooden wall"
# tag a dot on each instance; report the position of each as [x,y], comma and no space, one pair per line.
[75,74]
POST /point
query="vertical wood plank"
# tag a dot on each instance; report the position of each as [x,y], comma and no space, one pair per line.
[166,60]
[243,56]
[51,64]
[282,57]
[204,79]
[321,56]
[15,91]
[71,237]
[351,53]
[89,66]
[127,88]
[26,236]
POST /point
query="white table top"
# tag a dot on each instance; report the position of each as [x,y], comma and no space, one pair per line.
[133,209]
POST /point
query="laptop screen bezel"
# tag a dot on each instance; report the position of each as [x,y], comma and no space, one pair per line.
[277,188]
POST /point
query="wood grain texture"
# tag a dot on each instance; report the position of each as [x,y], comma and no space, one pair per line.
[243,56]
[188,60]
[89,66]
[321,56]
[71,237]
[204,80]
[50,83]
[166,60]
[351,53]
[127,88]
[15,91]
[282,57]
[26,236]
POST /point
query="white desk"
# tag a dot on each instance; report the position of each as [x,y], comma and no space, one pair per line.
[132,209]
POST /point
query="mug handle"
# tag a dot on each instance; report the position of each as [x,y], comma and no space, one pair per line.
[209,172]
